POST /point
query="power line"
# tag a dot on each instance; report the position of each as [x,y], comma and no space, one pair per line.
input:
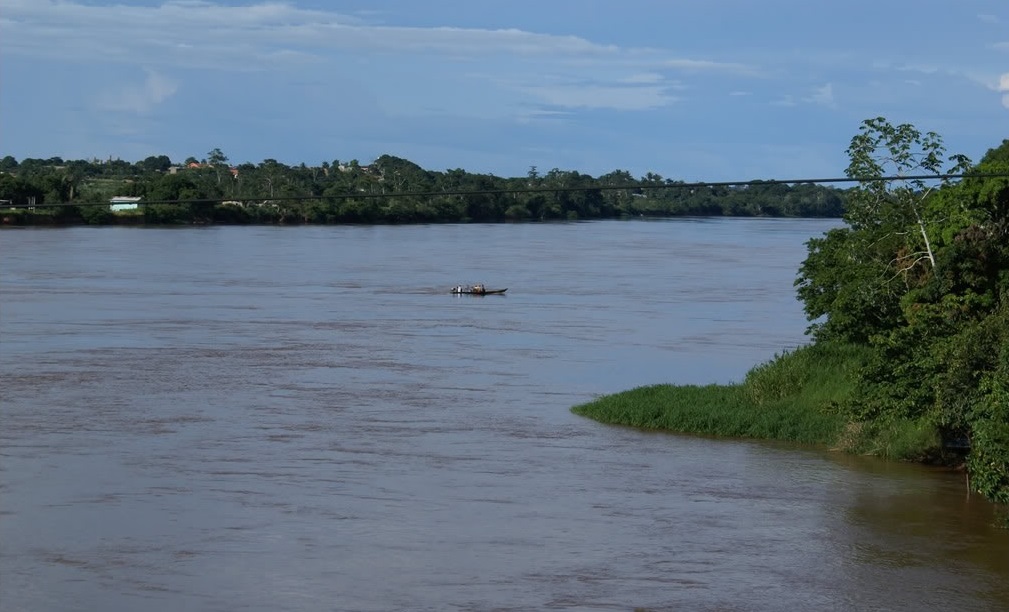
[542,189]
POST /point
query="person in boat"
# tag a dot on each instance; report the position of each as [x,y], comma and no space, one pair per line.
[479,288]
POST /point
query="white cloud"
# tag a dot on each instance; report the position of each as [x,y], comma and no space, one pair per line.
[200,33]
[271,36]
[905,67]
[987,79]
[822,95]
[138,98]
[41,24]
[643,78]
[709,66]
[999,84]
[592,96]
[541,115]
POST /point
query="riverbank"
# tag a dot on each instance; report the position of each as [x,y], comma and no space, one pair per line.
[799,396]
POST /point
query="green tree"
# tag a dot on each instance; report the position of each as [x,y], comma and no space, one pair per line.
[19,191]
[219,161]
[156,163]
[853,280]
[8,163]
[887,206]
[171,187]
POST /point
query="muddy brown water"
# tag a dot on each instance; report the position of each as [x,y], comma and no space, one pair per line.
[248,418]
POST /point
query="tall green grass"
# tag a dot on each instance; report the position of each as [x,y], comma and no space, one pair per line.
[898,439]
[795,397]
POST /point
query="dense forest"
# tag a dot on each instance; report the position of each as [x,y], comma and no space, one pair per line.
[389,190]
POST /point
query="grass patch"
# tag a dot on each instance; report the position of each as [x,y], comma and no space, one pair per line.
[897,439]
[794,397]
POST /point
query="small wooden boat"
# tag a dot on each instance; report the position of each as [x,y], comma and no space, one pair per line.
[476,290]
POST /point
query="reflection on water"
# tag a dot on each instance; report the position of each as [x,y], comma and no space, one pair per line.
[304,418]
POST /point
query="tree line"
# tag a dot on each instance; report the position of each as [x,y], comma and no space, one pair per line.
[388,190]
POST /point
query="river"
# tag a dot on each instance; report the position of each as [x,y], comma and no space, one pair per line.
[303,418]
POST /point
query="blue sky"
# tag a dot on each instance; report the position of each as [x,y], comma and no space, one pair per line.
[687,89]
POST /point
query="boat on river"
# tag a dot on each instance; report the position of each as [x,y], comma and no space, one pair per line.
[476,290]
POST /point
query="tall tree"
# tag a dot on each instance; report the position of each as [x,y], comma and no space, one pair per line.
[854,278]
[219,161]
[884,150]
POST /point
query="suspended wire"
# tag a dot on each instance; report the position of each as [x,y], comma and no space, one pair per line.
[541,189]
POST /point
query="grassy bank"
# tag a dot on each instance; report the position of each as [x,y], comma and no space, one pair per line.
[803,396]
[811,396]
[797,397]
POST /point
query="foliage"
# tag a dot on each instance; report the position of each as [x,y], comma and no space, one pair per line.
[920,277]
[824,372]
[19,191]
[988,463]
[855,277]
[96,215]
[895,439]
[989,416]
[847,287]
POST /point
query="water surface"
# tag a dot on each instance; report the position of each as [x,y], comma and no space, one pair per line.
[303,418]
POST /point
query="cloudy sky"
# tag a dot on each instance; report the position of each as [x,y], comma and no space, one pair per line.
[688,89]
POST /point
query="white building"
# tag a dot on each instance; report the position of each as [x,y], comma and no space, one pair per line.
[124,202]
